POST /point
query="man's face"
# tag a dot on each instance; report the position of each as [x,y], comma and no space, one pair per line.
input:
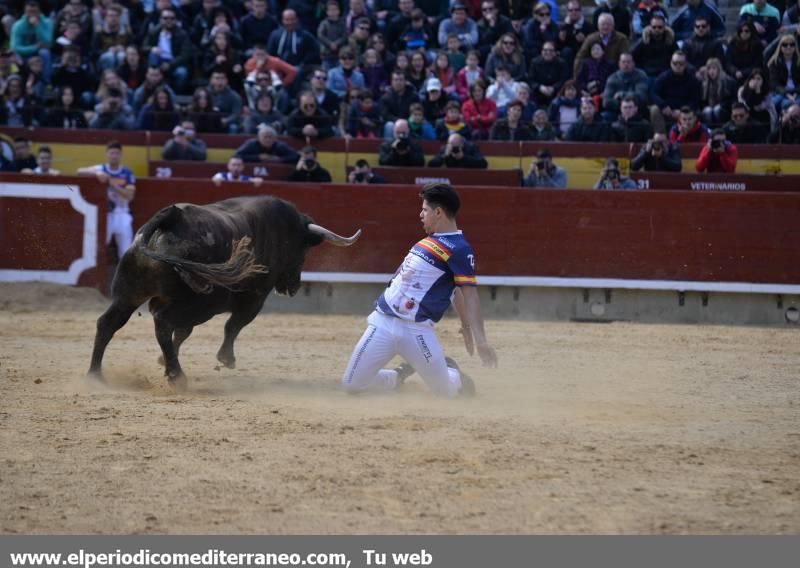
[362,31]
[44,160]
[587,110]
[308,105]
[266,139]
[31,11]
[289,20]
[318,80]
[154,76]
[548,52]
[405,7]
[574,10]
[416,117]
[113,155]
[218,81]
[628,109]
[453,114]
[739,117]
[688,120]
[22,150]
[678,64]
[459,17]
[760,4]
[657,26]
[168,19]
[434,94]
[259,8]
[606,25]
[701,28]
[398,82]
[429,217]
[401,131]
[626,64]
[514,113]
[112,19]
[235,167]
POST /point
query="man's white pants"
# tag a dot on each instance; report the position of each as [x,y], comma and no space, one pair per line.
[417,343]
[119,225]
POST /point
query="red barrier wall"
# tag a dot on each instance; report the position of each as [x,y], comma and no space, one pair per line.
[690,181]
[43,234]
[651,235]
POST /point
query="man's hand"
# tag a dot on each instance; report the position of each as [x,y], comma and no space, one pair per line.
[257,181]
[309,130]
[487,355]
[102,177]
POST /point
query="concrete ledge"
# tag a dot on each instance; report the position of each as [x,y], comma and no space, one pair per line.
[565,304]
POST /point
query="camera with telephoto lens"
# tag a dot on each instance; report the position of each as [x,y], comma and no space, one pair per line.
[360,177]
[612,174]
[716,144]
[541,164]
[402,144]
[310,162]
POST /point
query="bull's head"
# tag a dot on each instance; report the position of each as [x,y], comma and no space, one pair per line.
[289,281]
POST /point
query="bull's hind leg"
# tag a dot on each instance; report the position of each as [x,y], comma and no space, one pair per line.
[181,334]
[243,314]
[113,319]
[172,367]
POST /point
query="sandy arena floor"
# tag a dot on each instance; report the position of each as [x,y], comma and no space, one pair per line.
[584,428]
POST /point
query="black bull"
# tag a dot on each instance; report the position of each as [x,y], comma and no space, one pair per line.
[193,262]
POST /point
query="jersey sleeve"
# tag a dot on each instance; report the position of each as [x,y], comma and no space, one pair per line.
[462,263]
[130,178]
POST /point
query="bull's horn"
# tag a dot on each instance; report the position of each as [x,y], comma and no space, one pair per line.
[332,237]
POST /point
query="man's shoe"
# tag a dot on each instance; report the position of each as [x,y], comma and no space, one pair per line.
[467,384]
[404,370]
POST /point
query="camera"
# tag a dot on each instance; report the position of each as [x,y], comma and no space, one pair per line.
[310,162]
[402,144]
[360,177]
[716,144]
[657,146]
[541,164]
[612,174]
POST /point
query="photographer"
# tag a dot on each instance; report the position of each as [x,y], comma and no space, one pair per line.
[788,130]
[544,173]
[401,150]
[183,145]
[611,178]
[718,155]
[458,153]
[363,174]
[308,168]
[658,155]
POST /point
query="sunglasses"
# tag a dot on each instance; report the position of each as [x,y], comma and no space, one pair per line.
[320,77]
[788,45]
[485,10]
[509,42]
[738,116]
[309,105]
[700,26]
[657,27]
[542,13]
[679,63]
[167,17]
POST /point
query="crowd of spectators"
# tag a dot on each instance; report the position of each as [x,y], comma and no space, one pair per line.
[404,71]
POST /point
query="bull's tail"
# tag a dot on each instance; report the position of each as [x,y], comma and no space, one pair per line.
[202,278]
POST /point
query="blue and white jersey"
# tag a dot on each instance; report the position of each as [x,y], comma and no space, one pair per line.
[424,285]
[124,177]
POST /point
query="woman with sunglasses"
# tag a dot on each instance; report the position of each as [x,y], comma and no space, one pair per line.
[784,72]
[745,52]
[507,52]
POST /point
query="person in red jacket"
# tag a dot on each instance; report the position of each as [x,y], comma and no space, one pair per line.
[718,155]
[479,112]
[688,129]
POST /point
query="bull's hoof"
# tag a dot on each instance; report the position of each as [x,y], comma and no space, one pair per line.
[228,361]
[178,381]
[95,378]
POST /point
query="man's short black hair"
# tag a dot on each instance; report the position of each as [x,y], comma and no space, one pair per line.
[44,150]
[362,163]
[739,106]
[113,145]
[442,195]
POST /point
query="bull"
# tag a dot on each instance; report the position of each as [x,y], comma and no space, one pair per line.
[192,262]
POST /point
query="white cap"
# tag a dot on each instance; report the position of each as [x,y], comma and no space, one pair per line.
[433,84]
